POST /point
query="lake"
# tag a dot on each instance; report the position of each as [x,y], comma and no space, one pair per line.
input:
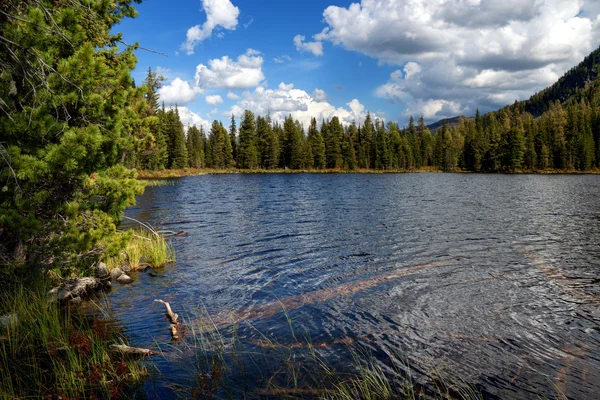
[490,279]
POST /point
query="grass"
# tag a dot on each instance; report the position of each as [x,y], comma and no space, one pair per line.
[145,248]
[52,352]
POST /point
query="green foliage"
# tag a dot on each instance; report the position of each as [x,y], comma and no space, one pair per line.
[247,151]
[72,114]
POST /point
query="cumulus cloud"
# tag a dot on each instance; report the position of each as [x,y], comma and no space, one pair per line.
[232,96]
[190,118]
[226,73]
[213,100]
[178,92]
[219,13]
[319,95]
[313,47]
[287,100]
[455,53]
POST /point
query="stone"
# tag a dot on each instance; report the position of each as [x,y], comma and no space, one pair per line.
[76,300]
[79,287]
[125,268]
[101,270]
[115,273]
[124,279]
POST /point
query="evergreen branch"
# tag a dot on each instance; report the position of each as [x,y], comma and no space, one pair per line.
[136,46]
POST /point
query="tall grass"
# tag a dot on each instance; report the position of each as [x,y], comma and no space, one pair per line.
[144,249]
[52,352]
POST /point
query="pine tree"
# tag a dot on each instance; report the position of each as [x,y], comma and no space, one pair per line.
[247,152]
[316,144]
[68,113]
[177,149]
[195,148]
[233,140]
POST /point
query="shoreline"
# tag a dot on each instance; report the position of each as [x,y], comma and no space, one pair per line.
[180,173]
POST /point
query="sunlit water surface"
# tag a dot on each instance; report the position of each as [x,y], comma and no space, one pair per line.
[493,279]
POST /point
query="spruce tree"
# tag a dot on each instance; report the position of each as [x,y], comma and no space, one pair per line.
[317,146]
[233,140]
[247,152]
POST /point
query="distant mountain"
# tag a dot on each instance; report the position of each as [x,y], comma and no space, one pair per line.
[450,122]
[567,87]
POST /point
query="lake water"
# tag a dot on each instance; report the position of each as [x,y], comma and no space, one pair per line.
[493,279]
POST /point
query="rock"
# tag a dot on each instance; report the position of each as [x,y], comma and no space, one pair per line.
[79,287]
[115,273]
[101,270]
[124,279]
[8,319]
[126,269]
[76,300]
[107,284]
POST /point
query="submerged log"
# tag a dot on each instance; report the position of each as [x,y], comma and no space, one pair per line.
[174,318]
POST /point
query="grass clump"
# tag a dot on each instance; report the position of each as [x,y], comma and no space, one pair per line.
[145,248]
[50,351]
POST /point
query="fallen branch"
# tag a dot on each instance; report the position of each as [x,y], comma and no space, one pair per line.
[174,318]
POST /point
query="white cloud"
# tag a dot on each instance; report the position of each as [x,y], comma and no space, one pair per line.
[160,71]
[213,100]
[223,72]
[287,100]
[313,47]
[189,118]
[219,13]
[282,59]
[466,52]
[232,96]
[319,95]
[178,92]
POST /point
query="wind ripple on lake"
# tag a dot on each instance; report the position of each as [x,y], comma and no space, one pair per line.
[492,277]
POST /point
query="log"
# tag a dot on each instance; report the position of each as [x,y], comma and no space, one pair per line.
[173,317]
[132,351]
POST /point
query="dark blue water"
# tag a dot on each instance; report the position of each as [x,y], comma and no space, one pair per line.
[493,279]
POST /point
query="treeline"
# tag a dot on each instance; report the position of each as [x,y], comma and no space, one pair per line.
[564,137]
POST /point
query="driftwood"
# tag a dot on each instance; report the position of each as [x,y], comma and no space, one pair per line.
[131,351]
[174,318]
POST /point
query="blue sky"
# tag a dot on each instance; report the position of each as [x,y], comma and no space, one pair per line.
[393,58]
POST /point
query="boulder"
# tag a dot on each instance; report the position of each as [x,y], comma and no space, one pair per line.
[80,287]
[125,268]
[124,279]
[101,270]
[115,273]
